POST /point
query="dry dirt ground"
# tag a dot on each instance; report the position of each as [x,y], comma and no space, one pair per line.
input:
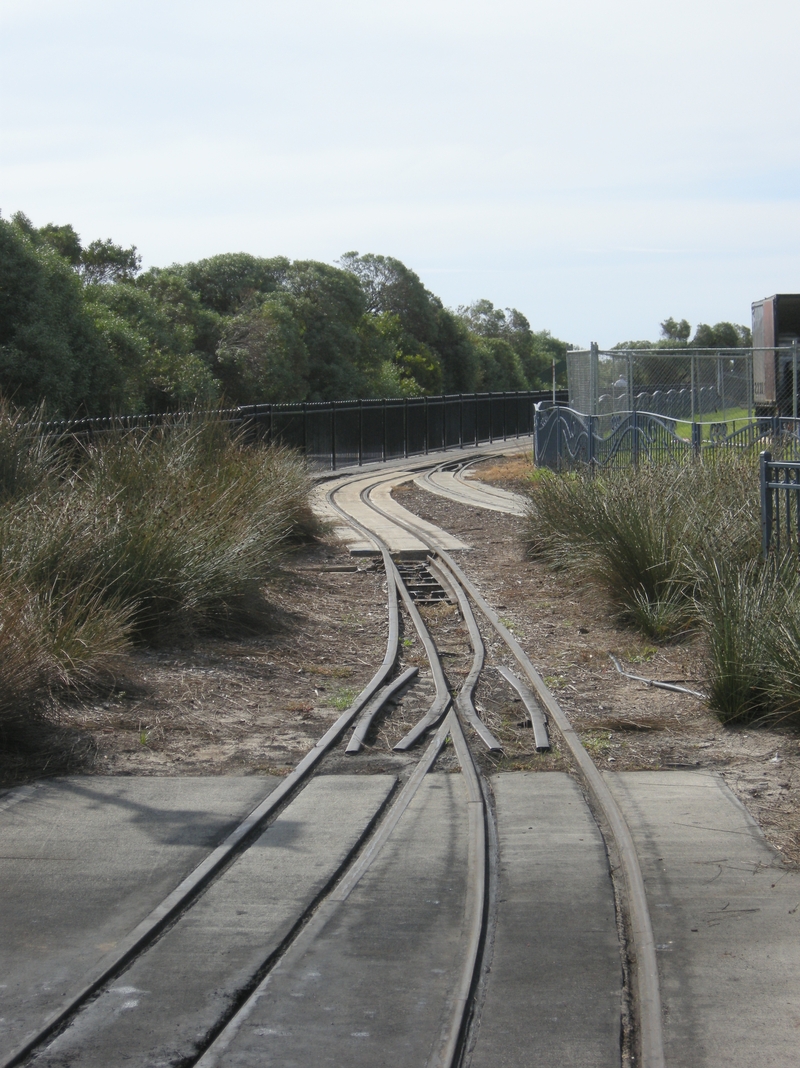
[256,705]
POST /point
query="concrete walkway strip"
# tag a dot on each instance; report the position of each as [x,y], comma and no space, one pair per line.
[183,987]
[354,539]
[83,861]
[373,984]
[477,494]
[554,992]
[348,497]
[381,494]
[726,917]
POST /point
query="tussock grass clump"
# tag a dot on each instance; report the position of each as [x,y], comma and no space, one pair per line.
[29,457]
[751,618]
[676,548]
[142,536]
[637,531]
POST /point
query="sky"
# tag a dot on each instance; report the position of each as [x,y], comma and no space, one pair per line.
[597,165]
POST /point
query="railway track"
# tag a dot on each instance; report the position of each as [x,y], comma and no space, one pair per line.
[378,946]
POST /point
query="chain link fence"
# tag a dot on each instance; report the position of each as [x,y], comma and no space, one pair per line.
[682,384]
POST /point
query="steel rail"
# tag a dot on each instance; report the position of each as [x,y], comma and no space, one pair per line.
[333,901]
[464,701]
[443,698]
[132,944]
[645,966]
[535,713]
[445,1053]
[356,742]
[448,1044]
[463,491]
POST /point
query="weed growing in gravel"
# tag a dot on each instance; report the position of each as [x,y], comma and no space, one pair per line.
[342,698]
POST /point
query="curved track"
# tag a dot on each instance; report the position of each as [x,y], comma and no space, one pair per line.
[642,950]
[82,1031]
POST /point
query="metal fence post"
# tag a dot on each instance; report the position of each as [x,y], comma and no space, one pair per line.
[383,446]
[405,428]
[476,420]
[444,424]
[635,438]
[425,432]
[360,432]
[590,422]
[461,420]
[305,429]
[697,439]
[766,503]
[594,376]
[333,436]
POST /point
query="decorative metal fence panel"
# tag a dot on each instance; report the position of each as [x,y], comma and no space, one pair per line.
[334,434]
[564,438]
[780,504]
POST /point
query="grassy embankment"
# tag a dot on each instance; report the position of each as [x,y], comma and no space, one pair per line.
[677,548]
[145,537]
[734,418]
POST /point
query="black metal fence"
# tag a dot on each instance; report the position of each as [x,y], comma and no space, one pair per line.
[780,504]
[334,434]
[564,438]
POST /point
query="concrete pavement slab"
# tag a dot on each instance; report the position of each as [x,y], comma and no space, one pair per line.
[726,917]
[162,1007]
[382,496]
[398,541]
[554,993]
[357,544]
[475,493]
[372,989]
[83,860]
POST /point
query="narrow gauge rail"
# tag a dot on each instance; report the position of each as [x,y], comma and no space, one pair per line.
[445,717]
[646,1007]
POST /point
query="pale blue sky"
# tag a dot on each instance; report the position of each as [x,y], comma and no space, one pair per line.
[598,165]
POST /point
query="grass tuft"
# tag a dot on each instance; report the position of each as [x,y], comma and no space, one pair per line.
[677,548]
[142,536]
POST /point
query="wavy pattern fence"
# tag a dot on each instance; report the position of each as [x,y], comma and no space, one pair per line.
[564,438]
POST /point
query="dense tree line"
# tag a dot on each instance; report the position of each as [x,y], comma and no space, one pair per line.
[677,335]
[84,330]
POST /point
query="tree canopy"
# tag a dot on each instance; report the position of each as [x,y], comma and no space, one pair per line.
[677,335]
[84,330]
